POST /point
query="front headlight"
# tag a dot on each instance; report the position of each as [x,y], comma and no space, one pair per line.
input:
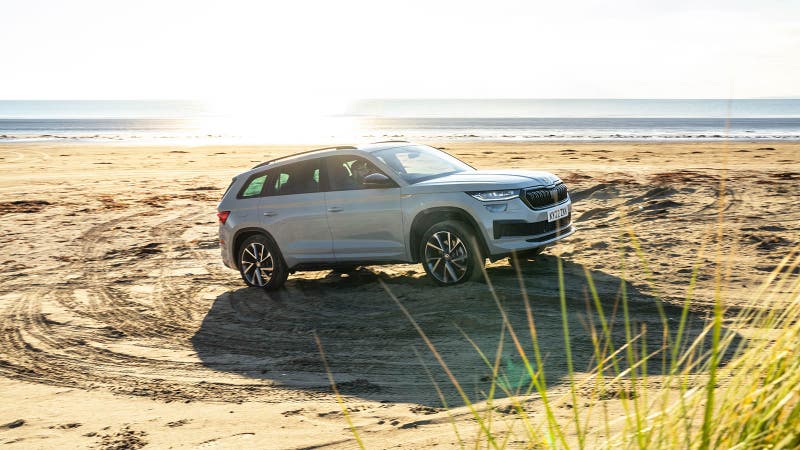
[488,196]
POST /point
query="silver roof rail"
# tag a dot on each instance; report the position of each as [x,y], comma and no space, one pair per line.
[340,147]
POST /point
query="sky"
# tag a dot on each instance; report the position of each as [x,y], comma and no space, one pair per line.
[298,52]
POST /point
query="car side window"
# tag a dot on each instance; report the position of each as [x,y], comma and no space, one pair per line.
[347,172]
[254,187]
[298,178]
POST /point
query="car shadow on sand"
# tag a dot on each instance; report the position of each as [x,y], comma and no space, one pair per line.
[375,353]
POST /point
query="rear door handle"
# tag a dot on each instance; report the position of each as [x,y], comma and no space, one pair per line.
[270,213]
[334,209]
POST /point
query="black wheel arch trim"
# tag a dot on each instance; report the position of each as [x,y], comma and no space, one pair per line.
[242,234]
[446,212]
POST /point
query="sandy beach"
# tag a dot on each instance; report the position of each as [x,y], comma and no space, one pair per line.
[119,325]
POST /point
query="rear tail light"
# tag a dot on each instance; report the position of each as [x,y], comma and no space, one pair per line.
[223,216]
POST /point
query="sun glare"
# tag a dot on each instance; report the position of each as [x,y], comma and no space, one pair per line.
[280,119]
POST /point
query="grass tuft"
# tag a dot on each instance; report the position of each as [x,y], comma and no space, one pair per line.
[714,389]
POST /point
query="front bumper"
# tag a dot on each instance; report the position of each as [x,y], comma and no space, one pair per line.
[520,228]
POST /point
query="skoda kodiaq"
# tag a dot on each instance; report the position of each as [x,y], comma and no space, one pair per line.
[382,203]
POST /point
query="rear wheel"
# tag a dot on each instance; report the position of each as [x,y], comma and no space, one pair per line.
[261,263]
[450,253]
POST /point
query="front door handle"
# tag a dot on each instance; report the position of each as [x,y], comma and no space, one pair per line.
[270,213]
[334,209]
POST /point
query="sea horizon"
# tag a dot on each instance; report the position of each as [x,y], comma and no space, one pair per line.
[198,122]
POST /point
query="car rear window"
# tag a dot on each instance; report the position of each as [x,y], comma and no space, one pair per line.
[254,187]
[297,178]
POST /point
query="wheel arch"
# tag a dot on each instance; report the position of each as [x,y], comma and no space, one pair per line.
[245,233]
[426,218]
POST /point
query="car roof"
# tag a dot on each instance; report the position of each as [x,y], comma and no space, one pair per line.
[328,151]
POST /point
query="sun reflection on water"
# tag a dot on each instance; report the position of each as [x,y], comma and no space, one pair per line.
[279,121]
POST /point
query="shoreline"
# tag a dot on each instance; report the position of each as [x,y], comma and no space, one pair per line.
[188,143]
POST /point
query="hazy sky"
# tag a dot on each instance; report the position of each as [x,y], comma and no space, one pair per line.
[340,49]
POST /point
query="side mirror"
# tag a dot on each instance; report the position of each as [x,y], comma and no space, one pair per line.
[377,180]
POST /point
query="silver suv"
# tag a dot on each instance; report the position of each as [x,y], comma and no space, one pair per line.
[383,203]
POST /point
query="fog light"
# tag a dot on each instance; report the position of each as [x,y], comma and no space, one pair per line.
[497,207]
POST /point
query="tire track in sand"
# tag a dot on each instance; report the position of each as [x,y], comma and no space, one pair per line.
[88,334]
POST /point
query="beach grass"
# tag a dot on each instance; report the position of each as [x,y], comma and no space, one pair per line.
[696,401]
[714,390]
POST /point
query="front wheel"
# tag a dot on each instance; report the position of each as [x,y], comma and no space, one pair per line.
[261,263]
[450,253]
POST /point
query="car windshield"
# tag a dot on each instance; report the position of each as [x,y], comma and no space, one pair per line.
[415,163]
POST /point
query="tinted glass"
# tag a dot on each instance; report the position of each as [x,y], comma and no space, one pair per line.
[297,178]
[347,172]
[254,187]
[416,163]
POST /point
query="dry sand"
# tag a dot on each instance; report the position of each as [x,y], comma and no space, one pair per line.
[120,326]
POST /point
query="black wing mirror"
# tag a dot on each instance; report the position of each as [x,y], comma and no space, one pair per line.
[374,180]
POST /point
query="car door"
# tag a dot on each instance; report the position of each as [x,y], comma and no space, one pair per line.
[366,222]
[293,211]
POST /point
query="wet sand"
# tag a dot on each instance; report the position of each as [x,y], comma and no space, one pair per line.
[119,324]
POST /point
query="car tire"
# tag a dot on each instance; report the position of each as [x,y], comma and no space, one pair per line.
[261,263]
[528,256]
[450,253]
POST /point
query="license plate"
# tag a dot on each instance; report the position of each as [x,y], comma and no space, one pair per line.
[558,213]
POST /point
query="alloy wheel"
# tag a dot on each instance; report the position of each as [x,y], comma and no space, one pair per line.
[257,264]
[446,257]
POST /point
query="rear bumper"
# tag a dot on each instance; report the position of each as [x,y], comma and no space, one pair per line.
[226,246]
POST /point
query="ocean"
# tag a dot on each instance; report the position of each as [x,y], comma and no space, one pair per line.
[193,122]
